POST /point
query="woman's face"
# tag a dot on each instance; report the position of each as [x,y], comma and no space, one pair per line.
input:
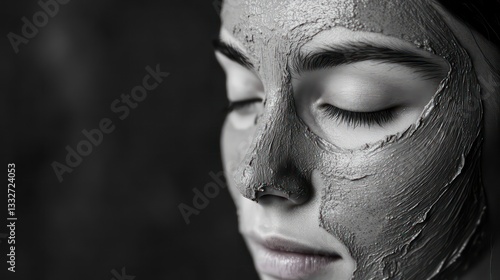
[352,146]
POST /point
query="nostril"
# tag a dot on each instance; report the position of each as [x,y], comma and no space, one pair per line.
[270,192]
[267,199]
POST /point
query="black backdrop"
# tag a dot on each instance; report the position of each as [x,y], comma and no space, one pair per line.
[118,208]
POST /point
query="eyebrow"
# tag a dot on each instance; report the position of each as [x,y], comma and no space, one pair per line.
[232,53]
[332,56]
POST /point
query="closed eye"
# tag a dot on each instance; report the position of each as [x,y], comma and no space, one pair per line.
[243,104]
[354,119]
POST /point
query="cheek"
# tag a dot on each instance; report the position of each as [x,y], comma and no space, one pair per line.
[234,145]
[388,192]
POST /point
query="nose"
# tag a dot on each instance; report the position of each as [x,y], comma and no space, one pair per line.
[292,187]
[276,164]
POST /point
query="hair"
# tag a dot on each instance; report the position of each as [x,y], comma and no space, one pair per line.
[481,15]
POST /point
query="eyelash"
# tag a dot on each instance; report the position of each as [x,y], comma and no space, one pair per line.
[237,105]
[355,119]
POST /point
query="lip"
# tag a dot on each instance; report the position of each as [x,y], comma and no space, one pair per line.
[288,259]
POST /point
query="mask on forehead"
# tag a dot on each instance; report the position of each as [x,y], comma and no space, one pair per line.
[407,207]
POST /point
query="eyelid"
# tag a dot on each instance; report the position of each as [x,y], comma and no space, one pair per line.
[355,119]
[234,105]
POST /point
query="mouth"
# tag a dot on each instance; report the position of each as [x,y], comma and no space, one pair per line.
[287,259]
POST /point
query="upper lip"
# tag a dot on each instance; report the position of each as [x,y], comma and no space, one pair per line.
[289,245]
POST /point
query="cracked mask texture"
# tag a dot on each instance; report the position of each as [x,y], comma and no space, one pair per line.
[407,206]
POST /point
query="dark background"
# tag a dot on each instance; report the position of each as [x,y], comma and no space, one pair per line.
[119,207]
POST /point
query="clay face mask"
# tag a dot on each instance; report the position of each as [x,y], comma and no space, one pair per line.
[407,207]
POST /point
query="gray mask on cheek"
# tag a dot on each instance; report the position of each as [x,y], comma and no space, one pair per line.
[406,207]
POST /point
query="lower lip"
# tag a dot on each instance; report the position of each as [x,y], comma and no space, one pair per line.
[288,265]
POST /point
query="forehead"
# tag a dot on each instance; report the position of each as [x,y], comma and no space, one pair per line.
[292,23]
